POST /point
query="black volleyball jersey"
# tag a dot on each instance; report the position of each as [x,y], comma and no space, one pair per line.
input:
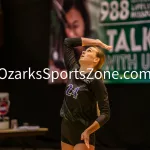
[83,91]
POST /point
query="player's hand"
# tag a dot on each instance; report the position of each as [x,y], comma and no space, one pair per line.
[85,136]
[103,45]
[108,47]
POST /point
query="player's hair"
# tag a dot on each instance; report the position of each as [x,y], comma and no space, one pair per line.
[100,54]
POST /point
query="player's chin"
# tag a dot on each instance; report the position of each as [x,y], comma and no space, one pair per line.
[81,60]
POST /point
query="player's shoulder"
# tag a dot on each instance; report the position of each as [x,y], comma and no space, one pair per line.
[75,67]
[97,81]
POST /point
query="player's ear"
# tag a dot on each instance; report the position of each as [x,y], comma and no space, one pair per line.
[96,60]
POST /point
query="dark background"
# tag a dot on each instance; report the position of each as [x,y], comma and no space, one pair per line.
[26,44]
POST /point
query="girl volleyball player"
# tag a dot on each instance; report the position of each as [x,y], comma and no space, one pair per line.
[83,94]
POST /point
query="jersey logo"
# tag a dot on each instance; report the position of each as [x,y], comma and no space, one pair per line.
[72,91]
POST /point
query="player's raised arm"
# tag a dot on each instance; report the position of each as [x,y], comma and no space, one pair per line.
[95,42]
[70,43]
[69,55]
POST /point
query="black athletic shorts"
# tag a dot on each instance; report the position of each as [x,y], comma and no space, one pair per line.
[71,132]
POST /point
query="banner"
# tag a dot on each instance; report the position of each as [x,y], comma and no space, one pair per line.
[123,24]
[126,26]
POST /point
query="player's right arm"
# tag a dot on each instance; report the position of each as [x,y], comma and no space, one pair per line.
[70,43]
[69,55]
[95,42]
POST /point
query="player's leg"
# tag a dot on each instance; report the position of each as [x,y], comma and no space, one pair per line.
[65,146]
[82,146]
[65,135]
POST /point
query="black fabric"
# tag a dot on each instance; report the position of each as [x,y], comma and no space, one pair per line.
[71,133]
[82,93]
[69,52]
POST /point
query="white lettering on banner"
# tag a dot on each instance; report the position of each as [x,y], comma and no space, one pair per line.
[110,62]
[127,62]
[146,38]
[126,27]
[104,12]
[122,62]
[139,6]
[114,10]
[140,10]
[111,33]
[145,64]
[132,62]
[134,47]
[140,14]
[122,44]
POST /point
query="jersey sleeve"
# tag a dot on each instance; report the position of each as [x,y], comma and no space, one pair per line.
[69,55]
[101,96]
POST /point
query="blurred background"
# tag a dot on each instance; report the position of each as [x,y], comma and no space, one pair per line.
[31,36]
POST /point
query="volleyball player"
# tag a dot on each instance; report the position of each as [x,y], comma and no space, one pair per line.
[82,94]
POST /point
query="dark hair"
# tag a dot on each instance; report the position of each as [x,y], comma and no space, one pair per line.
[80,5]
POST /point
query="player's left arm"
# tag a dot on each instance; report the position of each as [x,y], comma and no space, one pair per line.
[101,95]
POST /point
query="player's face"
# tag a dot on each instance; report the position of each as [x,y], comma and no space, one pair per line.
[89,56]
